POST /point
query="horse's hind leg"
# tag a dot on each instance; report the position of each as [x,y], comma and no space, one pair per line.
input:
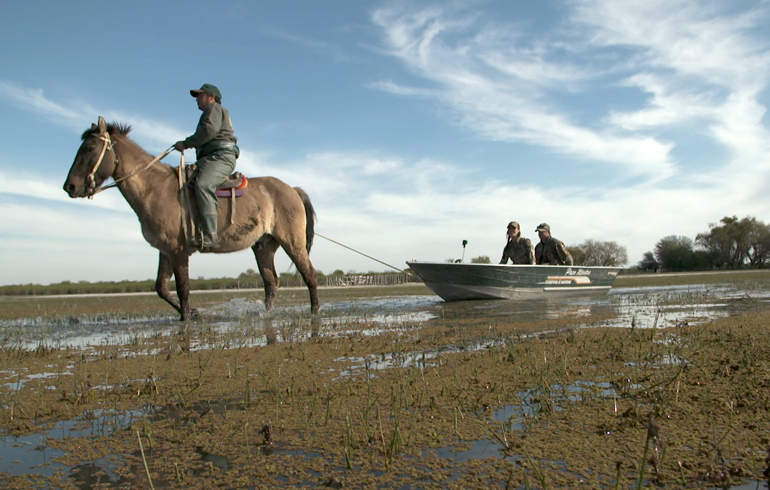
[264,251]
[301,258]
[165,270]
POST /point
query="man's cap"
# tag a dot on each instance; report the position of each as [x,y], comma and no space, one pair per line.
[543,226]
[513,224]
[209,89]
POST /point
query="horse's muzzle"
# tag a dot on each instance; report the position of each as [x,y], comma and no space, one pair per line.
[73,191]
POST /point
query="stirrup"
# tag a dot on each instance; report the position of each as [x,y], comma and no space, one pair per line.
[210,242]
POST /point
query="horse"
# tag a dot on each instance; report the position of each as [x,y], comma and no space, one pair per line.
[269,215]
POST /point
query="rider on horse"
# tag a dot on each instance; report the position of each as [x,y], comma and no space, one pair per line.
[216,151]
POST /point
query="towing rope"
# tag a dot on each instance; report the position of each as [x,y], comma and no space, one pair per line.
[361,253]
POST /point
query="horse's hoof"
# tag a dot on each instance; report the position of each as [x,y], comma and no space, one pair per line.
[193,314]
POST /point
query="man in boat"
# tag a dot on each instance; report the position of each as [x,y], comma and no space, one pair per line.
[216,150]
[550,251]
[518,248]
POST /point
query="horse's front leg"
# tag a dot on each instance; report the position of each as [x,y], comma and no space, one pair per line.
[181,266]
[165,270]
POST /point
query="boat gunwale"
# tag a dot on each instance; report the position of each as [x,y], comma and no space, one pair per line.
[409,262]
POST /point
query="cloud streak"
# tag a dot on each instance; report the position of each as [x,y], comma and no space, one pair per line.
[80,117]
[501,92]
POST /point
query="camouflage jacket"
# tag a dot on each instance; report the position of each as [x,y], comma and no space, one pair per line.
[214,132]
[552,252]
[519,250]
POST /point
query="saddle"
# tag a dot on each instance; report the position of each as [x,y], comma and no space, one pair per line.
[233,186]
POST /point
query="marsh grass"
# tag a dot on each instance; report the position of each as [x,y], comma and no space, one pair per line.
[750,278]
[580,396]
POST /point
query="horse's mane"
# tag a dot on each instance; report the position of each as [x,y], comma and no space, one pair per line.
[114,128]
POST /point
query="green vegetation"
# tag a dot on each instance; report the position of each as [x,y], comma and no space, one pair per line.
[598,253]
[730,244]
[481,259]
[687,278]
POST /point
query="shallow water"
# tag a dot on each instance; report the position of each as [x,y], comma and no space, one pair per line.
[31,454]
[248,324]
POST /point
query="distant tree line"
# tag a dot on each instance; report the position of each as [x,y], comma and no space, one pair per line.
[246,280]
[598,253]
[730,244]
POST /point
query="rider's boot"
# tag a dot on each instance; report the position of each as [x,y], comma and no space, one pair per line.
[210,238]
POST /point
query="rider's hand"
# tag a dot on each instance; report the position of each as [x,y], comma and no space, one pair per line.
[179,146]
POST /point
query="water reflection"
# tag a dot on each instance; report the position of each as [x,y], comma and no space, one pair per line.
[21,455]
[642,307]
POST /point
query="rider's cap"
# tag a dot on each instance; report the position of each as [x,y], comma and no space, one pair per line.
[543,226]
[514,224]
[209,89]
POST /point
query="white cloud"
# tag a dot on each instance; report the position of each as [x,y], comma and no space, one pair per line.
[80,116]
[704,67]
[665,108]
[35,100]
[500,92]
[696,38]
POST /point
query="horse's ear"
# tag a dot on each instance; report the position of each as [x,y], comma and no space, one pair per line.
[94,126]
[102,125]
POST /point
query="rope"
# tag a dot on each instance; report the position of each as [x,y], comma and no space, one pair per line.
[188,215]
[114,184]
[361,253]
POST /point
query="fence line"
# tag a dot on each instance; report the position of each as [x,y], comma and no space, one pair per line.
[369,279]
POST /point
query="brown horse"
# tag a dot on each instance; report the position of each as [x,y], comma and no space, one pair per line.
[269,215]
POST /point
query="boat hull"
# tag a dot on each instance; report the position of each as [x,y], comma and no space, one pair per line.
[460,282]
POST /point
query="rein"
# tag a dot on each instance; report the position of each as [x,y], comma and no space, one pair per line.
[108,145]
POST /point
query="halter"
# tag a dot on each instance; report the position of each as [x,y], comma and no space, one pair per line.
[90,182]
[108,145]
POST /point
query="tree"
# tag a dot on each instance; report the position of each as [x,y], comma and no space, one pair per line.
[648,263]
[728,244]
[598,253]
[675,253]
[734,242]
[759,245]
[481,259]
[249,274]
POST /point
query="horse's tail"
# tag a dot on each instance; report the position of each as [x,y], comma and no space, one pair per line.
[310,217]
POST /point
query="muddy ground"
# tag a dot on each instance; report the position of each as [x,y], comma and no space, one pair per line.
[473,402]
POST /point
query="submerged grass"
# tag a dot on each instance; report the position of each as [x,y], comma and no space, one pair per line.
[678,407]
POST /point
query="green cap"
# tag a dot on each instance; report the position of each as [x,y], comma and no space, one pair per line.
[543,226]
[514,224]
[209,89]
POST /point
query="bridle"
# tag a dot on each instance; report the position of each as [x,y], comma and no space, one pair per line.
[91,189]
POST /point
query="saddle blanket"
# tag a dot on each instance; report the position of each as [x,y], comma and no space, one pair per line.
[228,191]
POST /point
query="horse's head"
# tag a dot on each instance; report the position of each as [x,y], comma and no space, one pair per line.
[94,162]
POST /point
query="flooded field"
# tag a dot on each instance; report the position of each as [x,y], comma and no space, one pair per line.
[663,385]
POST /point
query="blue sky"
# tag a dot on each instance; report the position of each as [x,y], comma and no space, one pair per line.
[411,125]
